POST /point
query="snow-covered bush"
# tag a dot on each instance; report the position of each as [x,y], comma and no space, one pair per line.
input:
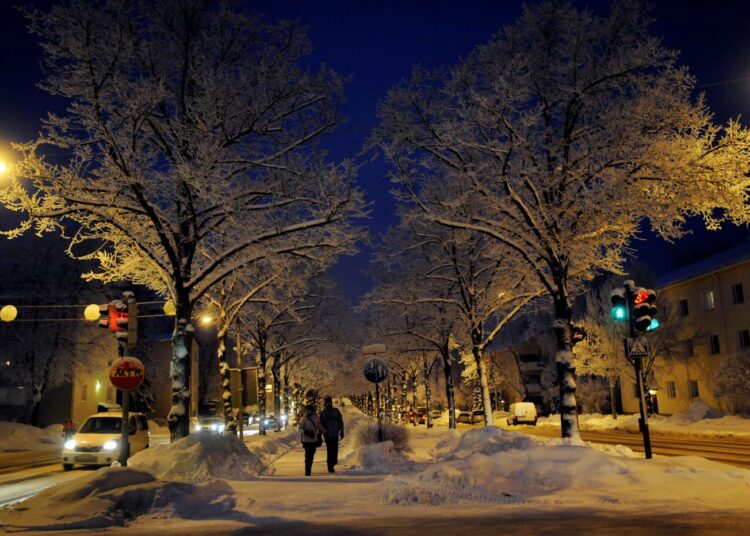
[367,434]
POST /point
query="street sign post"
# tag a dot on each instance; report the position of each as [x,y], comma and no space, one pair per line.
[376,370]
[637,347]
[126,374]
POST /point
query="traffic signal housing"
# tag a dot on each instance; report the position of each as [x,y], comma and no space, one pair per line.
[644,309]
[619,304]
[121,318]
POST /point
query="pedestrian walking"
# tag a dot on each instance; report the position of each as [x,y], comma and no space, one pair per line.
[310,431]
[69,429]
[333,426]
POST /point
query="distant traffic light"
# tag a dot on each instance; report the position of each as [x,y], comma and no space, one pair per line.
[121,318]
[619,305]
[644,310]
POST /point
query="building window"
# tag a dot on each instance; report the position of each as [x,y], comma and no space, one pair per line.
[693,388]
[708,301]
[84,392]
[738,295]
[684,310]
[689,348]
[744,336]
[714,344]
[671,390]
[110,394]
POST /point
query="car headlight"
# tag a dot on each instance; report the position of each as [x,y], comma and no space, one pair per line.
[265,423]
[250,420]
[197,428]
[283,417]
[214,427]
[109,445]
[70,444]
[222,428]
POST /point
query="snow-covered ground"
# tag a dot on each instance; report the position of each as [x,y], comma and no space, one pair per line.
[217,482]
[17,437]
[699,419]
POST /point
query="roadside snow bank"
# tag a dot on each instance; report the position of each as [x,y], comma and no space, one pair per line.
[199,457]
[698,419]
[115,496]
[15,436]
[494,466]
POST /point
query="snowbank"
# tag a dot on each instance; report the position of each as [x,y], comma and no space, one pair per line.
[698,419]
[377,458]
[490,465]
[115,496]
[199,457]
[16,436]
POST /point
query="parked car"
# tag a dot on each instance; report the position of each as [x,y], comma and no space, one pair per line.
[421,416]
[436,413]
[464,416]
[522,413]
[476,416]
[209,424]
[97,440]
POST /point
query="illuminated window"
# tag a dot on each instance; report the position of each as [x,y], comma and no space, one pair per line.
[708,301]
[84,392]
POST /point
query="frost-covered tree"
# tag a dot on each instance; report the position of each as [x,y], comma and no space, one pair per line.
[563,134]
[732,381]
[186,120]
[462,272]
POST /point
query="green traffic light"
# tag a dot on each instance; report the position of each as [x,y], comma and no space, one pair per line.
[653,325]
[619,312]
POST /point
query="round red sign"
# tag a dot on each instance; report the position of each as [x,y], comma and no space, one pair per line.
[126,373]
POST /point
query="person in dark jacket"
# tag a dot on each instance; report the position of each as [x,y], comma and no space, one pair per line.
[310,431]
[333,428]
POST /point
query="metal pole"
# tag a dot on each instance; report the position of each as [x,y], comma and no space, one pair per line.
[125,429]
[643,421]
[377,409]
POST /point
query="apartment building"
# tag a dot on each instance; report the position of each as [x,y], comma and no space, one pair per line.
[708,300]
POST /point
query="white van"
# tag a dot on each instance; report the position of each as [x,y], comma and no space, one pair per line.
[522,412]
[97,441]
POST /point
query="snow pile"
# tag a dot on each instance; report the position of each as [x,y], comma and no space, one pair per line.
[487,440]
[199,457]
[494,466]
[155,430]
[16,436]
[697,411]
[115,496]
[377,458]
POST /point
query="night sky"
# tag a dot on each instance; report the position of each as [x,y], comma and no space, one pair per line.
[377,43]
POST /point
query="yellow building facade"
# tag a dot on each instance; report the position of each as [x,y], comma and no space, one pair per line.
[707,299]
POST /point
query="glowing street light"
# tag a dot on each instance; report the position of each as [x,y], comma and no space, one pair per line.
[206,319]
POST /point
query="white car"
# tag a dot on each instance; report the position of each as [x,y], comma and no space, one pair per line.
[97,441]
[522,412]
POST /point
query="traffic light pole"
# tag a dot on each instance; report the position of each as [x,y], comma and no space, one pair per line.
[124,428]
[643,421]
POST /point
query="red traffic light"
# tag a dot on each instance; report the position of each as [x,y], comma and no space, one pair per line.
[113,318]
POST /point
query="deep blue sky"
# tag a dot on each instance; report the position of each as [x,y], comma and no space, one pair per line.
[377,43]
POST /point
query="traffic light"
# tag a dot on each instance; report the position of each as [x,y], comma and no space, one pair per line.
[644,309]
[619,305]
[121,318]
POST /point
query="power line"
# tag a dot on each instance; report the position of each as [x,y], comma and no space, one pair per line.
[724,82]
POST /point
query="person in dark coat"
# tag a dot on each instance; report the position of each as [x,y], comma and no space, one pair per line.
[333,428]
[310,430]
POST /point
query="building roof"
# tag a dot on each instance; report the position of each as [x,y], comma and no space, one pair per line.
[711,264]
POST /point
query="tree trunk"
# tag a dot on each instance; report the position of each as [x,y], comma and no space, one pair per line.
[566,371]
[261,363]
[404,395]
[276,372]
[449,394]
[414,391]
[427,394]
[287,409]
[483,384]
[182,341]
[226,385]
